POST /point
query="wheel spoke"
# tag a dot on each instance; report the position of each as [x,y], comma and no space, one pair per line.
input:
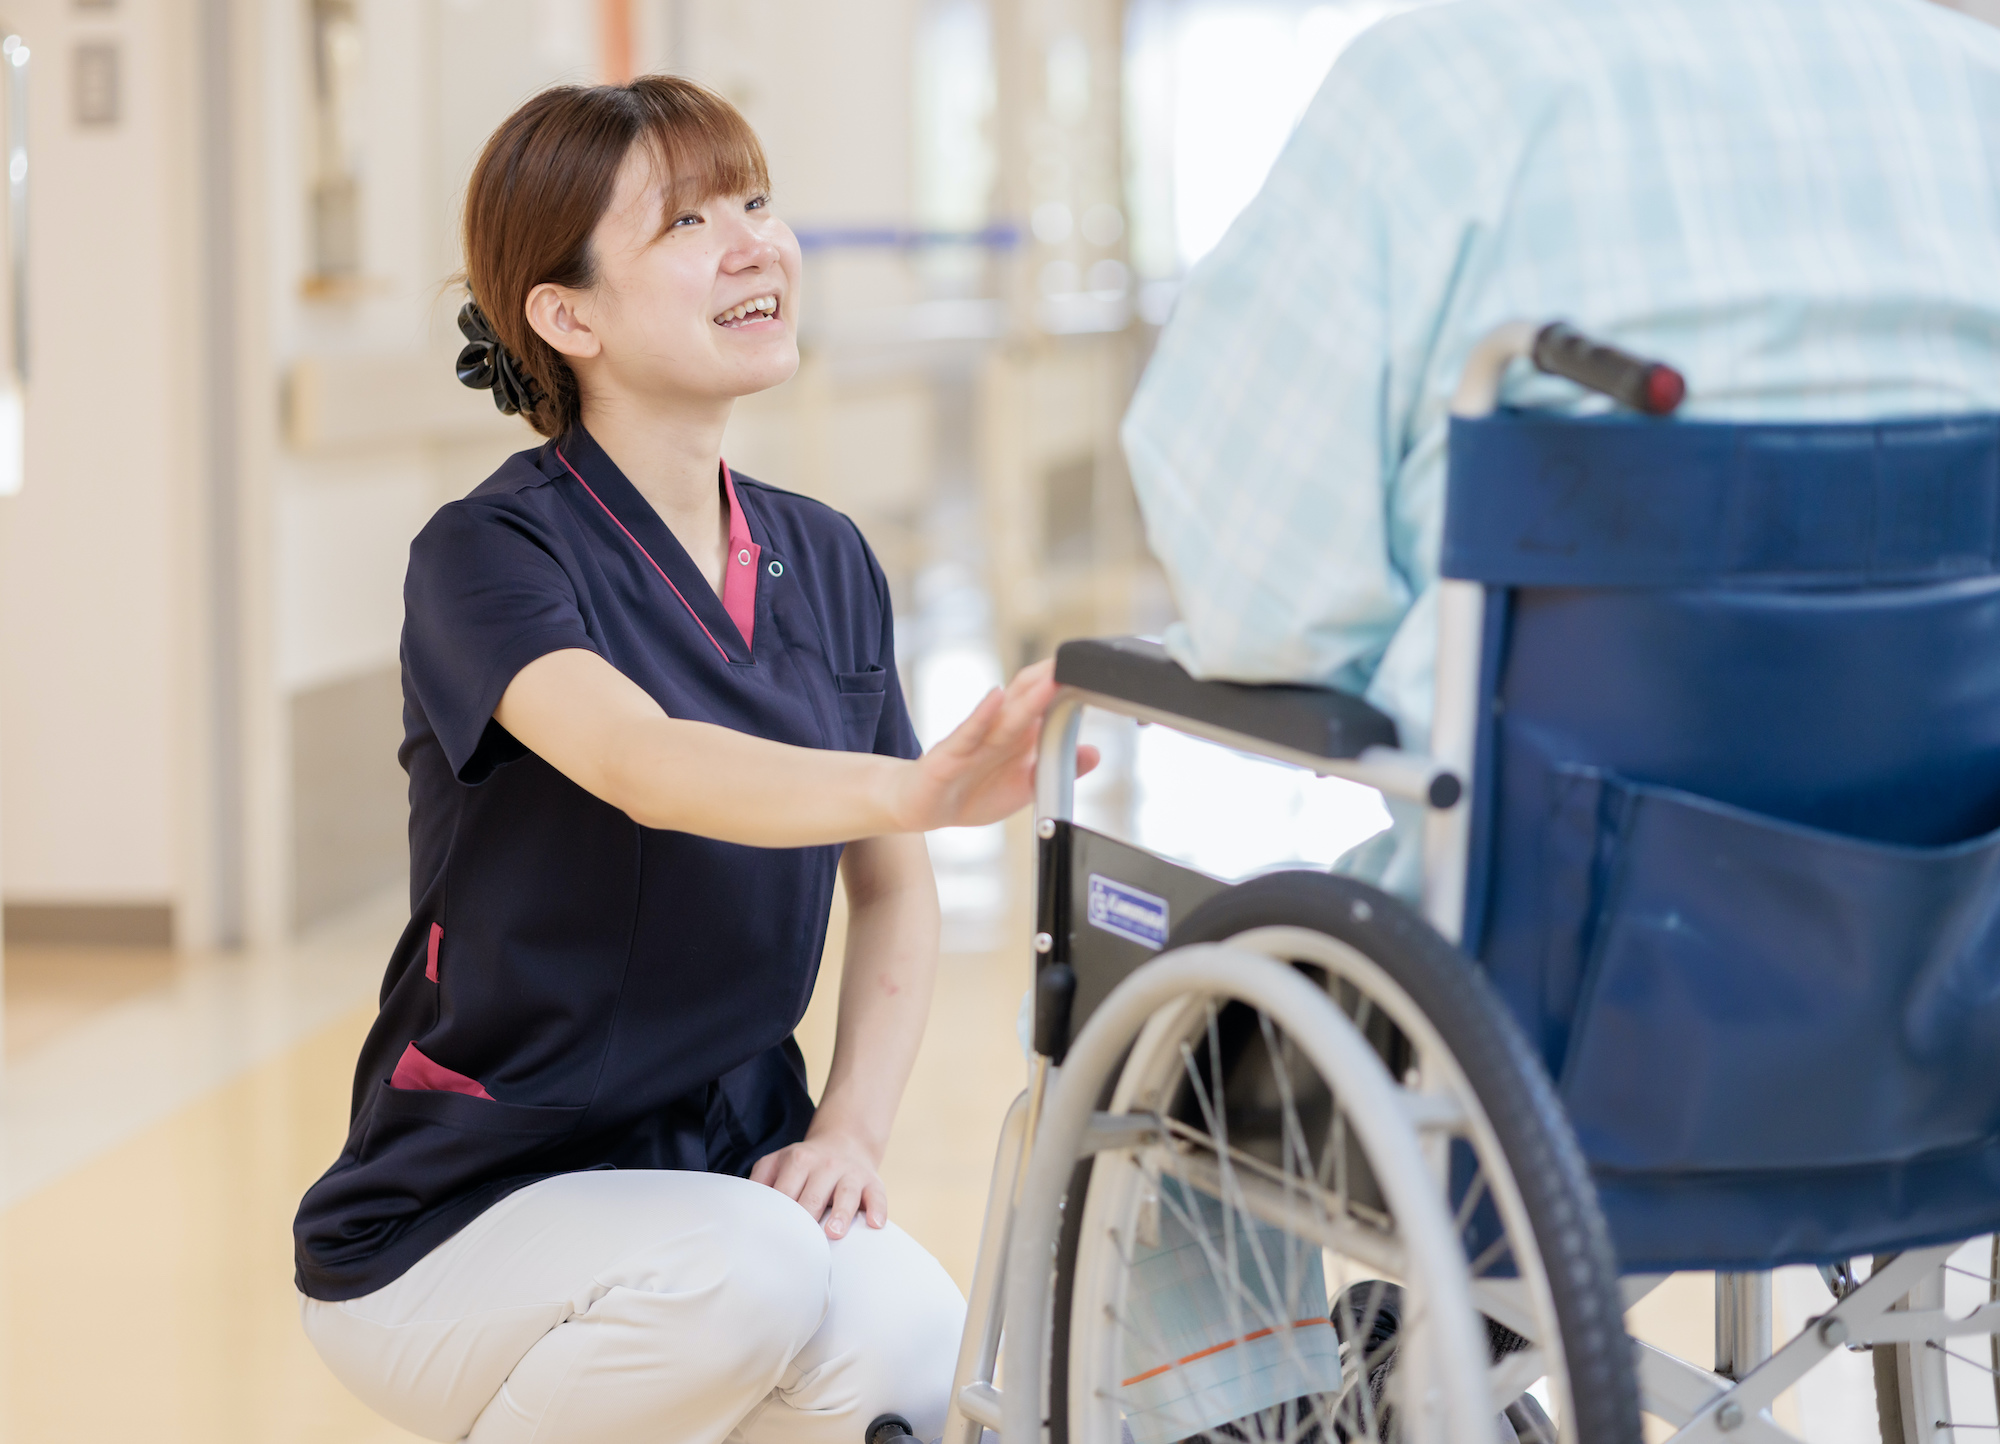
[1359,1214]
[1267,1223]
[1295,1274]
[1378,1248]
[1511,1377]
[1223,1269]
[1474,1193]
[1262,1292]
[1230,1283]
[1253,1235]
[1969,1363]
[1491,1254]
[1192,1220]
[1291,1140]
[1149,1341]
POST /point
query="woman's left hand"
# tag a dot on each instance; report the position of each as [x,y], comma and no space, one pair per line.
[831,1175]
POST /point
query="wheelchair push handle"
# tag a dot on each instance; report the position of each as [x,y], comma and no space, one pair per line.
[1648,386]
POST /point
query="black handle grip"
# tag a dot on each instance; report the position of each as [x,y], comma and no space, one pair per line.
[887,1429]
[1055,990]
[1648,386]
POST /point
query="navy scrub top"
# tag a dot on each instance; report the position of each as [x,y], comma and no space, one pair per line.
[575,991]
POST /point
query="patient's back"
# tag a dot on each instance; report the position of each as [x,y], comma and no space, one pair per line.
[1798,200]
[1795,202]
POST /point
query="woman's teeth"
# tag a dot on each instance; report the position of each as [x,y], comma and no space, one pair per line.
[757,310]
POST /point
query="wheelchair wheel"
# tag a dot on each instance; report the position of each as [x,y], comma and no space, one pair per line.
[1246,1280]
[1925,1390]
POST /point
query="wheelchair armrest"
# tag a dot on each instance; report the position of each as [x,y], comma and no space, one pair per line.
[1317,721]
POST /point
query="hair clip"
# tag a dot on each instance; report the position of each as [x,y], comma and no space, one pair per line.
[487,365]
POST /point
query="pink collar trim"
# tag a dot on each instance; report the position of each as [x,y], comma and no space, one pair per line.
[745,591]
[739,571]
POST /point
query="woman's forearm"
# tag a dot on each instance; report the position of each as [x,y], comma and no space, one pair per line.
[885,988]
[599,729]
[715,782]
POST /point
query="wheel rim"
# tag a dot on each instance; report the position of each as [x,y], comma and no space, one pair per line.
[1939,1389]
[1261,1245]
[1526,1305]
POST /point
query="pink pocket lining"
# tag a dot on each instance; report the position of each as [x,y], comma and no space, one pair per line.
[431,958]
[420,1074]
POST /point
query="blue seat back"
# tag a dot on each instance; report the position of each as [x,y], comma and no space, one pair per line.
[1737,817]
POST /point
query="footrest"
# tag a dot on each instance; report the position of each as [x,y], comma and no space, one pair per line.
[1318,721]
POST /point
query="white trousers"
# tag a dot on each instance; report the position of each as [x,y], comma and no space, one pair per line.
[641,1305]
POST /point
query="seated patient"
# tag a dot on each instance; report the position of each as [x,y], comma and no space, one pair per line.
[586,1197]
[1796,204]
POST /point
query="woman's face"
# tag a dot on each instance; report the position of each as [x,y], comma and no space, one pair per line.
[706,311]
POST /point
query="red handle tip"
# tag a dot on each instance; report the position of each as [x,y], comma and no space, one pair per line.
[1665,390]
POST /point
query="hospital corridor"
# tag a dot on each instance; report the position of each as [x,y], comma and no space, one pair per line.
[1058,320]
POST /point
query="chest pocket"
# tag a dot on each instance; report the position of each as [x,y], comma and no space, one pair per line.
[861,696]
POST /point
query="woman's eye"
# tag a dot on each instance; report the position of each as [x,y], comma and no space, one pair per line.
[756,203]
[690,219]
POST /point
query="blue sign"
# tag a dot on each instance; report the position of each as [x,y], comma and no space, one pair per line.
[1136,916]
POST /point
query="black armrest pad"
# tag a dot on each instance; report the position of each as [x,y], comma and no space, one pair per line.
[1315,720]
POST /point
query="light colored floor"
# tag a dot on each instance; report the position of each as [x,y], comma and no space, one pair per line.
[159,1118]
[103,1061]
[156,1137]
[51,990]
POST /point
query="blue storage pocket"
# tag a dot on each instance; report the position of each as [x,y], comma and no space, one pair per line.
[1759,995]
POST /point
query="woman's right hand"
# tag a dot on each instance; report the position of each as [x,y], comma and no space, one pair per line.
[985,770]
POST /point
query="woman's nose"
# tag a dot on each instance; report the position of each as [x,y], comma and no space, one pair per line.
[750,247]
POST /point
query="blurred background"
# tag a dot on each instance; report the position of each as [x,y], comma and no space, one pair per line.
[233,230]
[226,407]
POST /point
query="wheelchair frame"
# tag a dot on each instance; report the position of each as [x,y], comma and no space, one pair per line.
[1895,1305]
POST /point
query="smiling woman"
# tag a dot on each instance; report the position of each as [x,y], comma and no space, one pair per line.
[654,156]
[651,709]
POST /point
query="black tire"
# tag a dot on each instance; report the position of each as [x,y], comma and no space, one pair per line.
[1513,1087]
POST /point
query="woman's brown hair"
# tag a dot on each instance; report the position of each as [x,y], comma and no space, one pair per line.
[546,177]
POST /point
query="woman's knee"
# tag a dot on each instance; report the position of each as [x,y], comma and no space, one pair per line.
[901,1310]
[780,1266]
[760,1288]
[432,1377]
[900,1274]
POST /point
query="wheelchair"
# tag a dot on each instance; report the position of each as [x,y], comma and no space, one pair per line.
[1706,976]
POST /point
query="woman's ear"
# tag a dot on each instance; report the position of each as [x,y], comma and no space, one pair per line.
[553,313]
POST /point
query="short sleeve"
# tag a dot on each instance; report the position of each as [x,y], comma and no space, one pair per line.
[485,595]
[896,734]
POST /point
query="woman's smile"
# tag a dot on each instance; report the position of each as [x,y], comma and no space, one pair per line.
[756,314]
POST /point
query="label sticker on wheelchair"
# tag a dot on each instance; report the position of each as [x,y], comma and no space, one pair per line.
[1136,916]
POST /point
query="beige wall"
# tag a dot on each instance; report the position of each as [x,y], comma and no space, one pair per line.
[348,428]
[393,435]
[828,89]
[99,593]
